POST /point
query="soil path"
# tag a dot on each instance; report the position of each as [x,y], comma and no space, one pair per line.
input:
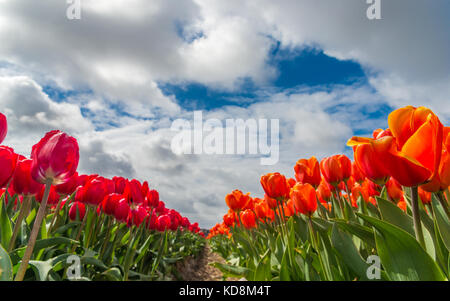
[200,268]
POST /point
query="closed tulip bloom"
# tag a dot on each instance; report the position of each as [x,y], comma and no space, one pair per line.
[402,205]
[77,206]
[8,162]
[152,199]
[308,171]
[336,169]
[248,219]
[122,211]
[324,191]
[394,190]
[163,223]
[95,191]
[359,191]
[413,152]
[23,182]
[229,218]
[261,209]
[237,200]
[275,185]
[271,202]
[304,198]
[3,127]
[133,192]
[160,208]
[120,184]
[110,202]
[55,158]
[425,196]
[137,216]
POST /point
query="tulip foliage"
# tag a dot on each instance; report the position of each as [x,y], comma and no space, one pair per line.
[118,229]
[383,216]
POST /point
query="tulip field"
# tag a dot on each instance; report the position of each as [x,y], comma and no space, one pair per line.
[382,216]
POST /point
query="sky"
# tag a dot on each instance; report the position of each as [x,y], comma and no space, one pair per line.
[117,78]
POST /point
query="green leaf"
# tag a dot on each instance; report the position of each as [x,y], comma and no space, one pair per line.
[363,232]
[442,222]
[5,224]
[47,243]
[6,269]
[231,269]
[113,274]
[394,215]
[348,252]
[43,268]
[401,255]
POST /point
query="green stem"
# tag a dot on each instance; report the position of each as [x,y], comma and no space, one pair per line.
[316,246]
[34,233]
[26,204]
[416,216]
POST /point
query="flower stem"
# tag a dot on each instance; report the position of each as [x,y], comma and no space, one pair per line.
[26,204]
[416,216]
[34,233]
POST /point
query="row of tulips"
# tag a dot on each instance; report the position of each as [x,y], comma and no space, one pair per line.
[336,215]
[119,227]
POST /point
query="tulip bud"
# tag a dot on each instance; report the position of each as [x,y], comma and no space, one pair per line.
[77,206]
[275,185]
[122,211]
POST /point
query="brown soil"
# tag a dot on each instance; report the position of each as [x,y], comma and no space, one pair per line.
[200,268]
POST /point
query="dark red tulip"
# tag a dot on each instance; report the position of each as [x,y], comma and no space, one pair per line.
[120,183]
[8,162]
[122,210]
[55,158]
[53,197]
[152,199]
[77,206]
[69,187]
[163,223]
[95,191]
[3,127]
[23,182]
[110,202]
[137,216]
[133,192]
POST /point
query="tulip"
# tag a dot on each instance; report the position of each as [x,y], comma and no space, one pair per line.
[308,171]
[133,192]
[77,207]
[229,218]
[271,202]
[411,149]
[152,198]
[55,158]
[52,199]
[336,169]
[163,223]
[95,191]
[22,182]
[394,190]
[110,202]
[137,216]
[369,164]
[304,198]
[3,127]
[122,211]
[324,192]
[237,200]
[8,162]
[248,219]
[275,186]
[425,196]
[357,174]
[70,186]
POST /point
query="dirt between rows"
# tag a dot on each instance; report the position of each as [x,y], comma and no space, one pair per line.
[200,268]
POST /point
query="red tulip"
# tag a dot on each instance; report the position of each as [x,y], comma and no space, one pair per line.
[137,216]
[95,191]
[394,190]
[133,192]
[304,198]
[55,158]
[425,196]
[77,206]
[70,186]
[370,164]
[110,202]
[53,197]
[8,162]
[163,223]
[3,127]
[308,171]
[23,182]
[122,211]
[152,198]
[275,185]
[357,173]
[324,191]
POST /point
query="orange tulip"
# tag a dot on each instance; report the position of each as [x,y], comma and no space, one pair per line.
[402,205]
[370,165]
[275,185]
[261,208]
[357,173]
[425,196]
[411,150]
[248,219]
[441,180]
[336,168]
[358,191]
[324,191]
[271,202]
[308,171]
[394,190]
[304,198]
[237,200]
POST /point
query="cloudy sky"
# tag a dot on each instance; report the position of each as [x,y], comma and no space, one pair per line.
[117,78]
